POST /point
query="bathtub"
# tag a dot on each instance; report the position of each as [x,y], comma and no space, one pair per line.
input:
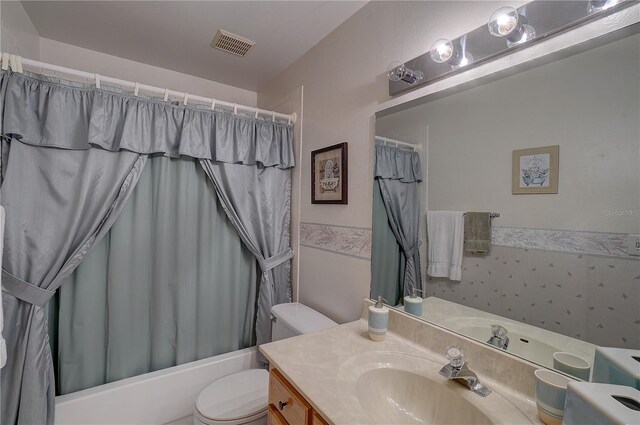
[153,398]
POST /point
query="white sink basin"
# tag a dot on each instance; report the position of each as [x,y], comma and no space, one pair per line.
[396,388]
[400,397]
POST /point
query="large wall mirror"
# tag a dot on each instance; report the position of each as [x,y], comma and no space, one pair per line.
[559,278]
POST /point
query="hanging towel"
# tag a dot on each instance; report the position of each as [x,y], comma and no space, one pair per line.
[477,232]
[445,230]
[3,344]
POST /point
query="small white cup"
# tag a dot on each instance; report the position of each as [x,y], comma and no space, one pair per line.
[551,392]
[572,364]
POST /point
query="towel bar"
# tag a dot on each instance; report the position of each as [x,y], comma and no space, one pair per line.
[491,215]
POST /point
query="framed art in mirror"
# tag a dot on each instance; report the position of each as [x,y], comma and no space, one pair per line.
[535,170]
[329,175]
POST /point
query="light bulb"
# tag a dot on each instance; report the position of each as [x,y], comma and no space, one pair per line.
[395,71]
[598,5]
[441,50]
[444,50]
[506,22]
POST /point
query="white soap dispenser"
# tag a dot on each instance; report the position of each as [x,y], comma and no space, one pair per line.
[378,320]
[413,303]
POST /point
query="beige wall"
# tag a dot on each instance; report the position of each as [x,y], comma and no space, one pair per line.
[70,56]
[18,35]
[344,79]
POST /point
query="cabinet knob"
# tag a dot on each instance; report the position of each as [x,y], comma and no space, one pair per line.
[281,405]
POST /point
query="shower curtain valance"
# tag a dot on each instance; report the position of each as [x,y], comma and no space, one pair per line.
[397,164]
[46,113]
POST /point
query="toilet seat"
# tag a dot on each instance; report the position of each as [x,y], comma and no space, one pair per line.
[235,399]
[201,420]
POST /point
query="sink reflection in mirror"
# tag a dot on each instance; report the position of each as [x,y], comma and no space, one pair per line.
[561,277]
[536,344]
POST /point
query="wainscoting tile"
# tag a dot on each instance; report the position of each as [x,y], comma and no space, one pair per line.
[569,241]
[613,310]
[593,298]
[527,307]
[351,241]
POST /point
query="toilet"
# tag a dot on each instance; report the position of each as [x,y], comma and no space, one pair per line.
[241,398]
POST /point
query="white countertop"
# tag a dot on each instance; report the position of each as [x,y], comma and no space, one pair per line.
[323,367]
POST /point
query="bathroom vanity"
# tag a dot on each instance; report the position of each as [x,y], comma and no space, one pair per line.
[287,405]
[340,376]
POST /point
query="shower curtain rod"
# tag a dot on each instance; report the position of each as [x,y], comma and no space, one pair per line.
[398,142]
[17,63]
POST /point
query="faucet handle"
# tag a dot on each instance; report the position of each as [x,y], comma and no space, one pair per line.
[455,356]
[499,331]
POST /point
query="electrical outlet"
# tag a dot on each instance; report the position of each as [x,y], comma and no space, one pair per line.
[633,244]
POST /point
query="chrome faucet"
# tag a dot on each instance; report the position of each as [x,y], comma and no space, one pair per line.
[499,337]
[458,370]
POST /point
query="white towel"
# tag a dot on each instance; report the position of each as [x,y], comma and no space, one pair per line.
[3,344]
[445,230]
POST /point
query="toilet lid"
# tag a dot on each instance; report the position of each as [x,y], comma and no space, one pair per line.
[235,396]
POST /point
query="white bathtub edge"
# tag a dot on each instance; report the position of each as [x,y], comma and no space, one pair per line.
[153,398]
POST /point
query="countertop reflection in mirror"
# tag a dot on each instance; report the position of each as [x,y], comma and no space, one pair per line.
[531,342]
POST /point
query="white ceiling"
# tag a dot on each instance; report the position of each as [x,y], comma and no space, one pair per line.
[177,34]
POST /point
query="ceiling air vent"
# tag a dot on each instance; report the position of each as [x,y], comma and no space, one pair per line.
[232,43]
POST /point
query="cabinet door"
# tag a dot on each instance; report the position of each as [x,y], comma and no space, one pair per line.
[287,401]
[275,418]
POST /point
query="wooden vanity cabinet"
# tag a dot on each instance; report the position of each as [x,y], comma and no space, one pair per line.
[317,419]
[275,417]
[287,406]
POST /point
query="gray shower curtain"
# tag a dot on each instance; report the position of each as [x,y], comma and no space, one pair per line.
[398,172]
[387,259]
[257,200]
[58,204]
[71,157]
[170,283]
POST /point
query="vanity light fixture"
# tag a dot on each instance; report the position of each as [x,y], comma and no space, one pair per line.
[598,5]
[397,71]
[507,22]
[535,21]
[443,50]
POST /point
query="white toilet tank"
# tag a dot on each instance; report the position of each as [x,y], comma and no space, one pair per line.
[292,319]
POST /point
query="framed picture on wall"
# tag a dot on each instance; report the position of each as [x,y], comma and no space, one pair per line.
[535,170]
[329,175]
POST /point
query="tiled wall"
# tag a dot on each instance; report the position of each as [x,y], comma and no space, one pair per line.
[580,284]
[351,241]
[593,298]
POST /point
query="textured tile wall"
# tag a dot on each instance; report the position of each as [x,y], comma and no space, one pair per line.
[580,284]
[351,241]
[589,297]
